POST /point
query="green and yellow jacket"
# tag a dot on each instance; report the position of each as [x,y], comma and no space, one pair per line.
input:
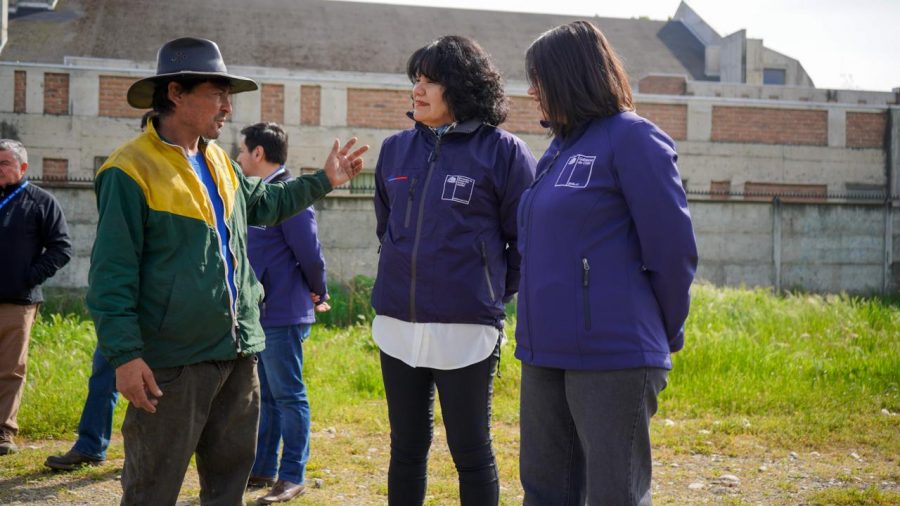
[157,282]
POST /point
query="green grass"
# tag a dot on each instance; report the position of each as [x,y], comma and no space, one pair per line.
[59,365]
[852,497]
[812,367]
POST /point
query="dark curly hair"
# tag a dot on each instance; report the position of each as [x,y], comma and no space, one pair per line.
[473,87]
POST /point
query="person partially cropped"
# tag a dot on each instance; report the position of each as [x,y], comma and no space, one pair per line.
[446,196]
[608,257]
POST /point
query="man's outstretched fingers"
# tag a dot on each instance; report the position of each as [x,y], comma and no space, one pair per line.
[350,143]
[359,152]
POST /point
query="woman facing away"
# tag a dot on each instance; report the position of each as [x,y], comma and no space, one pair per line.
[446,196]
[608,257]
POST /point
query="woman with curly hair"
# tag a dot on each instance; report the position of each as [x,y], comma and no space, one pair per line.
[446,195]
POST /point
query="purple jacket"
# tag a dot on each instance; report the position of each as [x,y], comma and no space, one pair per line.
[608,250]
[287,260]
[446,211]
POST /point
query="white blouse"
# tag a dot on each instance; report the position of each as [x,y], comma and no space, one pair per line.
[434,345]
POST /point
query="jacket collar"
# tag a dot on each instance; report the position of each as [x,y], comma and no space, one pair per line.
[5,190]
[152,131]
[279,175]
[463,128]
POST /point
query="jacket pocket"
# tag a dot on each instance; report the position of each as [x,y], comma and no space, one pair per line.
[168,378]
[586,291]
[487,271]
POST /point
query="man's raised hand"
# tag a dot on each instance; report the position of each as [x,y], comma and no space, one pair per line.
[341,165]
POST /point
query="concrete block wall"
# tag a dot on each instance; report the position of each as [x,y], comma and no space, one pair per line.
[823,247]
[80,209]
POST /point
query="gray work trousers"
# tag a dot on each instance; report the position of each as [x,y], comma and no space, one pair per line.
[585,435]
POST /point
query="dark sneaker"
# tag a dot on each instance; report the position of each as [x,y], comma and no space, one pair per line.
[7,445]
[71,461]
[260,481]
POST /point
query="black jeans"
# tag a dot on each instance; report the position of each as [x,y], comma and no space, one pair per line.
[465,396]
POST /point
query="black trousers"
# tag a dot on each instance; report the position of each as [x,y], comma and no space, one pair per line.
[465,396]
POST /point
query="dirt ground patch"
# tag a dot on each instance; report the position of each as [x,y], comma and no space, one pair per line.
[349,467]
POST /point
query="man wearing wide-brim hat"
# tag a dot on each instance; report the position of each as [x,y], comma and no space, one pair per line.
[172,294]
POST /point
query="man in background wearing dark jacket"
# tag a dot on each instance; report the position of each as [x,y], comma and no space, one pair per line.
[287,260]
[35,244]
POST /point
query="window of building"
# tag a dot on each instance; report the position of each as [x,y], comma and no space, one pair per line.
[774,76]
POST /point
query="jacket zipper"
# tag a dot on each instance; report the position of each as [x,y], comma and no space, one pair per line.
[530,204]
[487,271]
[586,292]
[231,296]
[409,202]
[432,161]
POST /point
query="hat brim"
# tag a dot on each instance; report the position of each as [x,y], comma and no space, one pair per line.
[140,94]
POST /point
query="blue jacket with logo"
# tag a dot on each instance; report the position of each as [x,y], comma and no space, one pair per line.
[287,260]
[608,251]
[446,211]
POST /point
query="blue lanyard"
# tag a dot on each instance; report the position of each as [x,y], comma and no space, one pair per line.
[13,194]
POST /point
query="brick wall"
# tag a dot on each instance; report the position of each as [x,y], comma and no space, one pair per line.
[378,108]
[310,105]
[866,129]
[787,191]
[113,97]
[523,116]
[56,93]
[663,85]
[671,118]
[20,82]
[719,190]
[55,169]
[271,101]
[769,126]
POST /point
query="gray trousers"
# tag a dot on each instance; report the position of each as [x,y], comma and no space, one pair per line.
[211,409]
[585,435]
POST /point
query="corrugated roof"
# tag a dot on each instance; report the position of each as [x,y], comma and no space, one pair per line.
[323,35]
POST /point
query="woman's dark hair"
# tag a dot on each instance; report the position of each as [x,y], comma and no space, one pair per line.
[472,84]
[578,76]
[162,105]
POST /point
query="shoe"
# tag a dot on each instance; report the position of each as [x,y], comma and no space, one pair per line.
[71,461]
[260,481]
[283,491]
[7,445]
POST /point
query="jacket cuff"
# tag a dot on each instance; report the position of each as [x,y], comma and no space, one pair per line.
[118,360]
[326,184]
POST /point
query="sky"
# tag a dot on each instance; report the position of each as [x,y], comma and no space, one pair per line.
[842,44]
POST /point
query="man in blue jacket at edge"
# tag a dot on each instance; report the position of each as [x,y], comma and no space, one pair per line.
[287,260]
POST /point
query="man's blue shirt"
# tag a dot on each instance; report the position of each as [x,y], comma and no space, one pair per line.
[202,170]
